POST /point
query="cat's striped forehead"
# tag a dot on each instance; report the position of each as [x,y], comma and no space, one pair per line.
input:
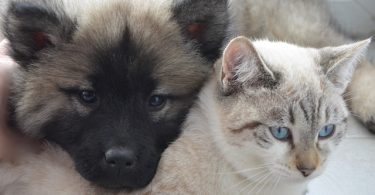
[299,67]
[308,106]
[304,112]
[312,112]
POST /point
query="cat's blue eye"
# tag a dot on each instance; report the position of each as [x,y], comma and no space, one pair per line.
[280,133]
[327,131]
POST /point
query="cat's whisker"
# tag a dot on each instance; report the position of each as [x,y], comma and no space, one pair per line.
[248,184]
[346,97]
[248,170]
[348,94]
[350,99]
[238,184]
[355,137]
[248,179]
[276,183]
[353,114]
[270,178]
[259,182]
[257,178]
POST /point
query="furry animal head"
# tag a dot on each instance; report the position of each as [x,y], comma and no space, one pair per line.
[281,109]
[111,81]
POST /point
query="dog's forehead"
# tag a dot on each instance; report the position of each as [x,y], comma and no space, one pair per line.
[105,24]
[125,42]
[146,34]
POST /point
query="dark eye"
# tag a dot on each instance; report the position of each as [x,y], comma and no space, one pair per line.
[157,101]
[327,131]
[88,96]
[280,133]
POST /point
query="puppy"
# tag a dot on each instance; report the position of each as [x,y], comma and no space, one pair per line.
[110,81]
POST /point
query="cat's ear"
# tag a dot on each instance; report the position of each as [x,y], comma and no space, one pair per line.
[340,62]
[204,24]
[243,66]
[32,29]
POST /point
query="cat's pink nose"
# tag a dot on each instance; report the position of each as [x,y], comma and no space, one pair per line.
[307,161]
[306,171]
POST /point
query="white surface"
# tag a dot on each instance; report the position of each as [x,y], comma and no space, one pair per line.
[351,171]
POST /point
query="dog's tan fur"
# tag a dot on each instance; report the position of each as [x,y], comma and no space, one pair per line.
[104,23]
[138,49]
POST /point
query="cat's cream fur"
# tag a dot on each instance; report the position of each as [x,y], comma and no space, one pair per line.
[218,152]
[226,146]
[307,23]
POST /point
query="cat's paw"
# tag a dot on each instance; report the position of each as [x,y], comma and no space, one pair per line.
[361,97]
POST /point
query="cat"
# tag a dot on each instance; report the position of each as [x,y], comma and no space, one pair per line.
[306,23]
[267,121]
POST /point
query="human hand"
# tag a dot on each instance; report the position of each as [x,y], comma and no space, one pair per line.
[10,142]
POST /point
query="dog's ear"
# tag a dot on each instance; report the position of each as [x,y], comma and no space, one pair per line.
[204,23]
[33,29]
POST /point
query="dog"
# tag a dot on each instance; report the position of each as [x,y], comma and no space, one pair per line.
[110,81]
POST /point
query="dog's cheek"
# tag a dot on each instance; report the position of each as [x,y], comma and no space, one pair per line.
[169,129]
[32,114]
[64,128]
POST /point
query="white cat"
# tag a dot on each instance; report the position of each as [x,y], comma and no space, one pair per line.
[266,123]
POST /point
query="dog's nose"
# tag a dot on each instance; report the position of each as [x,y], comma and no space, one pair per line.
[120,157]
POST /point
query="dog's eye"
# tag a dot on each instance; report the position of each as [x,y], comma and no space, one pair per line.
[157,102]
[88,96]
